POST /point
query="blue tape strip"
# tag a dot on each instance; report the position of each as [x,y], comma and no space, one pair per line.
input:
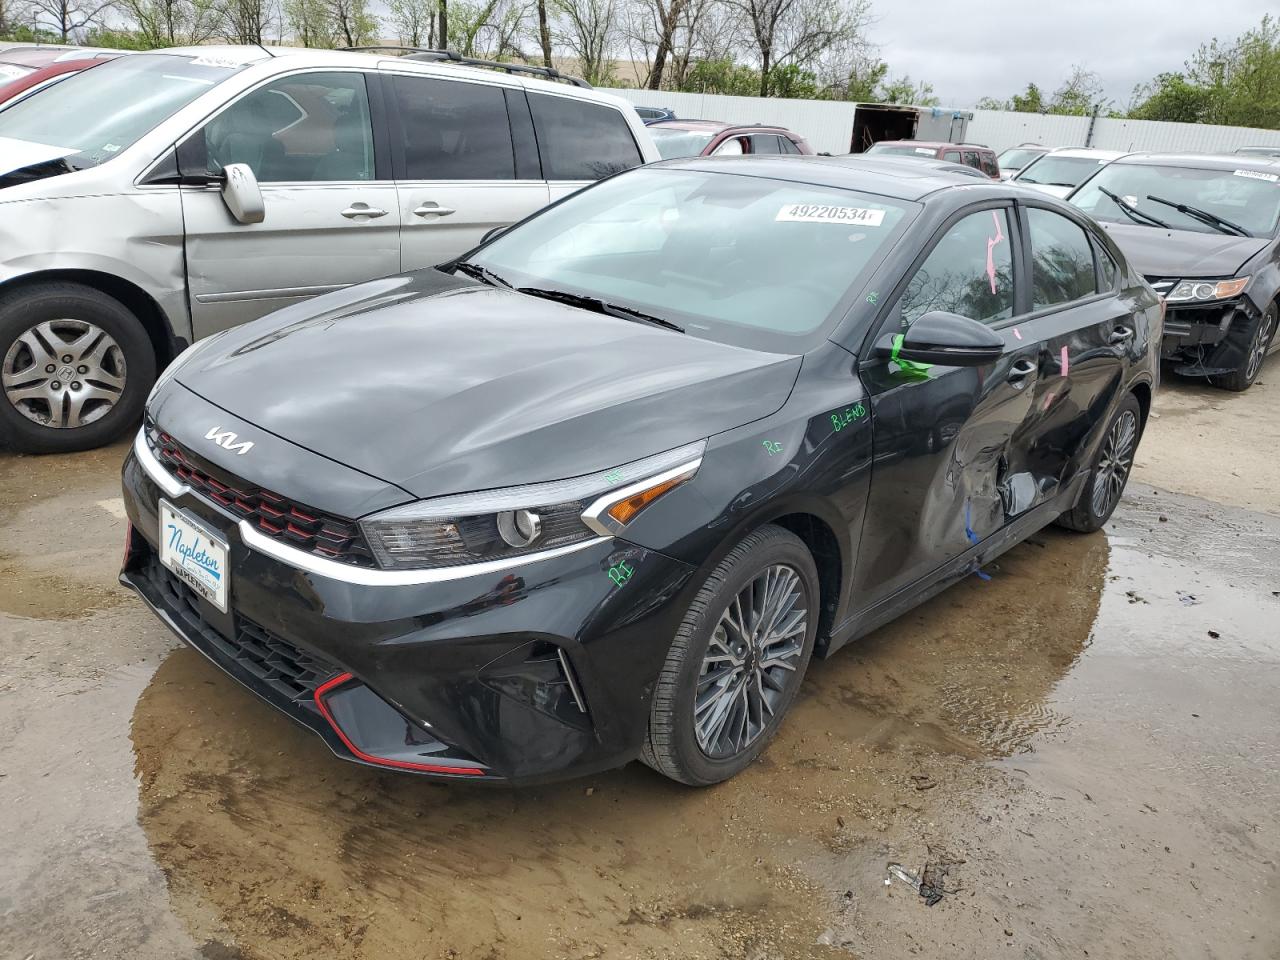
[973,537]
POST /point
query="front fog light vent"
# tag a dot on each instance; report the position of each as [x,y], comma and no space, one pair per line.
[540,675]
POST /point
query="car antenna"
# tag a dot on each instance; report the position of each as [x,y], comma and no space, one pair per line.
[265,50]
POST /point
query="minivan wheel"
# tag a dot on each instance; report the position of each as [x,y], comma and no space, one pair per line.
[75,368]
[1259,338]
[737,660]
[1111,469]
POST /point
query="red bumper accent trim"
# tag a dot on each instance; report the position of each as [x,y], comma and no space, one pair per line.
[370,758]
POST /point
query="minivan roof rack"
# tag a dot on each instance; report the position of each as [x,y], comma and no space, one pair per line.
[451,56]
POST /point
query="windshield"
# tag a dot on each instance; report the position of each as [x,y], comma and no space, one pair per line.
[672,142]
[902,150]
[1244,197]
[1017,159]
[1061,171]
[745,260]
[97,113]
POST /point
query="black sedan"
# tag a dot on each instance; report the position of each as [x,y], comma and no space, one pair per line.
[1205,231]
[600,489]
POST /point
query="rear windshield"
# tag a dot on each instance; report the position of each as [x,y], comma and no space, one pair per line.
[1017,159]
[95,114]
[746,260]
[1248,199]
[1061,171]
[903,150]
[672,142]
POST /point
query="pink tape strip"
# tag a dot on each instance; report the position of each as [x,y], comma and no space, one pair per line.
[1017,333]
[991,244]
[1065,362]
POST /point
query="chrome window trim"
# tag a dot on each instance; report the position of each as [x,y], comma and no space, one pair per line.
[332,569]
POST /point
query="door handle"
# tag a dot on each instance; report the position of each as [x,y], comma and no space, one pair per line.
[363,210]
[433,210]
[1021,370]
[1121,335]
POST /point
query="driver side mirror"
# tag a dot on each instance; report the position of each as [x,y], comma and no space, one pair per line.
[947,339]
[241,193]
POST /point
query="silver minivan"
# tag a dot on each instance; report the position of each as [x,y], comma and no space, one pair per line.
[165,196]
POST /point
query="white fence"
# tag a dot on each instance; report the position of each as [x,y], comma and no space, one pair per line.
[828,125]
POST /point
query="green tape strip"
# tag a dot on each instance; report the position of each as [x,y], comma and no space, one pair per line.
[909,367]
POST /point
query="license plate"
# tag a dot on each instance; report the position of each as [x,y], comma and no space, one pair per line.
[195,554]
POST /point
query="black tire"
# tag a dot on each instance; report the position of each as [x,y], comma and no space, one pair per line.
[72,306]
[1091,512]
[1257,340]
[671,746]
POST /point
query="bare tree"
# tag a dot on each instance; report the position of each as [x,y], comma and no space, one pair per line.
[352,22]
[544,33]
[442,23]
[248,21]
[589,31]
[798,31]
[68,17]
[170,23]
[310,22]
[413,21]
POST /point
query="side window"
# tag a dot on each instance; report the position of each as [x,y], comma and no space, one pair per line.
[788,145]
[453,130]
[1061,260]
[952,156]
[580,140]
[971,159]
[969,272]
[765,143]
[1108,267]
[989,165]
[733,147]
[309,127]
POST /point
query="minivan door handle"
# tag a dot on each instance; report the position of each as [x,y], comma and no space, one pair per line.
[363,210]
[433,210]
[1021,370]
[1121,335]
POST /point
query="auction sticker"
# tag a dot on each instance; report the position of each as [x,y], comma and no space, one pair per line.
[824,213]
[1256,175]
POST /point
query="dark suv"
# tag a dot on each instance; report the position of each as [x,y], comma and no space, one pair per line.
[970,154]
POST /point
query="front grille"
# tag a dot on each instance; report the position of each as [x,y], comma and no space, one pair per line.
[271,660]
[295,524]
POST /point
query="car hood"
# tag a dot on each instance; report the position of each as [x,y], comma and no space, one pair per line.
[441,385]
[1157,252]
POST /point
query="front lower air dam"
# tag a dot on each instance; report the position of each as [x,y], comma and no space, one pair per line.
[378,734]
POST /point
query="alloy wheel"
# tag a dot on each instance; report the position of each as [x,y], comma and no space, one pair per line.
[64,373]
[1115,463]
[751,662]
[1258,348]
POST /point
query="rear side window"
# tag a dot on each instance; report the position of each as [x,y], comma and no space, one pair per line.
[1061,260]
[1106,266]
[952,155]
[788,146]
[579,140]
[969,272]
[989,165]
[453,130]
[764,143]
[971,159]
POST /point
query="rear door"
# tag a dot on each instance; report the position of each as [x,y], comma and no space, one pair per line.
[1085,328]
[580,141]
[330,200]
[465,162]
[946,441]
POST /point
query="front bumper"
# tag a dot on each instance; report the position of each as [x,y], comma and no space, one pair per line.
[538,672]
[1203,338]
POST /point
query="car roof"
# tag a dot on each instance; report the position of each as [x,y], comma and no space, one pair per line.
[709,125]
[1205,161]
[931,144]
[931,163]
[889,178]
[1087,153]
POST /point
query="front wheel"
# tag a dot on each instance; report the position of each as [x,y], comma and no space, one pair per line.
[75,367]
[737,660]
[1110,471]
[1259,339]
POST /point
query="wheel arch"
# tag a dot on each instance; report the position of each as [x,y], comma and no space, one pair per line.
[140,303]
[1142,391]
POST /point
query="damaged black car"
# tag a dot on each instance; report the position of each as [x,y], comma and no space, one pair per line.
[1203,231]
[599,490]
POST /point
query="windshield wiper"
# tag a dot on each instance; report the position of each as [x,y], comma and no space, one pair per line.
[483,274]
[1204,216]
[1133,213]
[600,306]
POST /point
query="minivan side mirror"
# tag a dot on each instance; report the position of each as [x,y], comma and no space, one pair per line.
[947,339]
[241,193]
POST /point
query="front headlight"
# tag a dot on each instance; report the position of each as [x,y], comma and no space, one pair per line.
[181,360]
[515,521]
[1206,290]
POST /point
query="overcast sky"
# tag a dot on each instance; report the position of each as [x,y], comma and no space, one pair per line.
[971,50]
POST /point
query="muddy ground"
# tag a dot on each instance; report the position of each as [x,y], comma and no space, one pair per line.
[1088,745]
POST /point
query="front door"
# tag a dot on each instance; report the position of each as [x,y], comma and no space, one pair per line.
[330,211]
[949,441]
[460,171]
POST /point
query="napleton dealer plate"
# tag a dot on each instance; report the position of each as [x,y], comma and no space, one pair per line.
[194,553]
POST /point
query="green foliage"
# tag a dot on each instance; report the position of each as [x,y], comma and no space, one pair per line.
[792,82]
[117,39]
[1170,96]
[21,33]
[722,75]
[903,90]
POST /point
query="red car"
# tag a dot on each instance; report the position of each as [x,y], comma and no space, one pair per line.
[24,69]
[707,138]
[974,155]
